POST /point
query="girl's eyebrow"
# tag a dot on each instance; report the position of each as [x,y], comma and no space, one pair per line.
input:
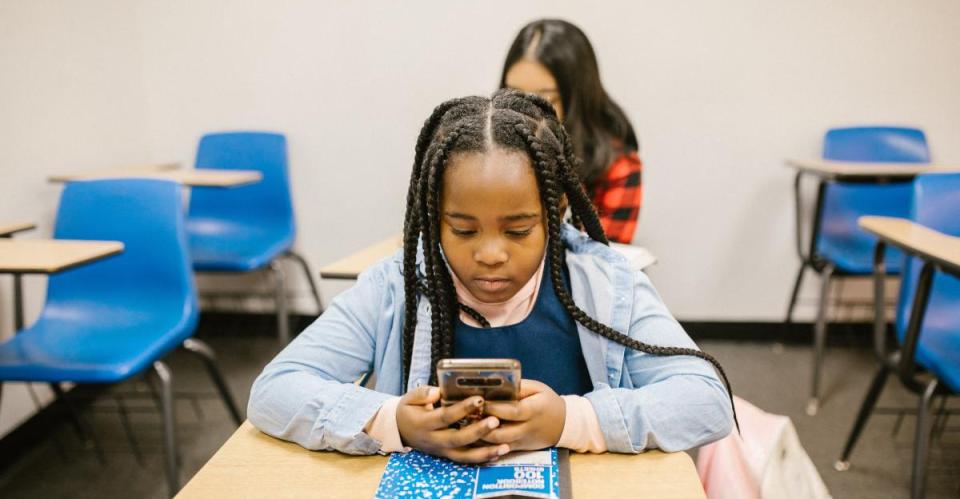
[520,216]
[510,218]
[457,214]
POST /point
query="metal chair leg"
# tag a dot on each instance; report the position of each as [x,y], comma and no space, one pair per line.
[795,292]
[940,415]
[169,426]
[128,430]
[76,419]
[869,402]
[921,445]
[819,339]
[280,296]
[313,283]
[898,423]
[209,358]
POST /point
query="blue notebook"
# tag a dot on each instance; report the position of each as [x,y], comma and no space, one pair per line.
[523,474]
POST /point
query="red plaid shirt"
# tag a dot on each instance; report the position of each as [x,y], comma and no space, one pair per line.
[617,196]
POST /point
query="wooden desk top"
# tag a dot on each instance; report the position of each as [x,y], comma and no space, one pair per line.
[854,170]
[49,256]
[115,171]
[198,177]
[251,465]
[942,249]
[13,228]
[351,266]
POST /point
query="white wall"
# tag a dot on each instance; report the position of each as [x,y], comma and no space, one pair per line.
[71,97]
[720,94]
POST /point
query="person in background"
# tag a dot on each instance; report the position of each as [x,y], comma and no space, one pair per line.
[554,59]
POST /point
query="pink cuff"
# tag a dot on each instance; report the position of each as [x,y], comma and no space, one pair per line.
[581,428]
[383,428]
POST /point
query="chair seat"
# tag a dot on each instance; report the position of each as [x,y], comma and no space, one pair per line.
[229,246]
[856,260]
[89,342]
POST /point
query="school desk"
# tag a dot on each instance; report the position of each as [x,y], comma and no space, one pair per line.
[941,249]
[352,265]
[48,256]
[865,172]
[111,171]
[194,177]
[9,229]
[827,171]
[253,465]
[846,171]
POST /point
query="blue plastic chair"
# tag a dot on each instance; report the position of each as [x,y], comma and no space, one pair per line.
[108,321]
[838,247]
[927,322]
[247,228]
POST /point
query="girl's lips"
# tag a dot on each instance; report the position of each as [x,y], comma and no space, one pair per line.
[492,285]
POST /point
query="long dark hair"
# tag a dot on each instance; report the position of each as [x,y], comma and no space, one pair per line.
[514,121]
[599,128]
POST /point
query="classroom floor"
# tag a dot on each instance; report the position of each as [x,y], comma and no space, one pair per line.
[772,378]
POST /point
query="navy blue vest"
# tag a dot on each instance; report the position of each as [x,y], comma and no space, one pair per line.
[546,343]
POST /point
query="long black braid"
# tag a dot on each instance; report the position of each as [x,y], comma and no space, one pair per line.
[514,121]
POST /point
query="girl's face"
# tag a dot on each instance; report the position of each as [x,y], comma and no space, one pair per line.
[492,228]
[528,75]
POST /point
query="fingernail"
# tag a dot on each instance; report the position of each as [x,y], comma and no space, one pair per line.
[493,423]
[503,449]
[494,459]
[432,392]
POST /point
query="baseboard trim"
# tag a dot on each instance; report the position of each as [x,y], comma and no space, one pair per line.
[842,333]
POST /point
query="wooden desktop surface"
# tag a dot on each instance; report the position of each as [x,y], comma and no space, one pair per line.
[12,228]
[942,249]
[849,169]
[351,266]
[252,465]
[115,171]
[198,177]
[48,256]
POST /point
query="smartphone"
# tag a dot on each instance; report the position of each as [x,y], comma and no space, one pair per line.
[493,379]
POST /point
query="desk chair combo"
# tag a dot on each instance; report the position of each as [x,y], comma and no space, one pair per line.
[838,248]
[245,229]
[112,320]
[927,319]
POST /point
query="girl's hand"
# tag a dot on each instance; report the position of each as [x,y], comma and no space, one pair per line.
[534,422]
[425,428]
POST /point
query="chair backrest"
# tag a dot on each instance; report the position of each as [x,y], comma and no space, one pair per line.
[936,204]
[264,202]
[876,144]
[844,203]
[153,273]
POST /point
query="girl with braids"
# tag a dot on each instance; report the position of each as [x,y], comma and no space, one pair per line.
[488,269]
[554,59]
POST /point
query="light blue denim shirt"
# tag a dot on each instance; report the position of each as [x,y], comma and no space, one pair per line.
[307,393]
